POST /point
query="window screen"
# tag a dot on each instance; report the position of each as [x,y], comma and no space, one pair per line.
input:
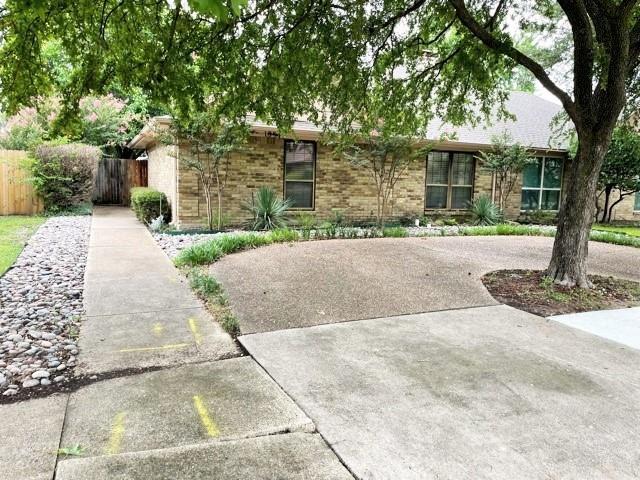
[299,173]
[449,180]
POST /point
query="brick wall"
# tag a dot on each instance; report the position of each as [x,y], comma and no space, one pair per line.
[339,185]
[162,173]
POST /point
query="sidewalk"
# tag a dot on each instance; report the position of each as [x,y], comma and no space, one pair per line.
[188,410]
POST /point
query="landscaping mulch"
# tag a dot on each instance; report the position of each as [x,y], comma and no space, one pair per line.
[534,292]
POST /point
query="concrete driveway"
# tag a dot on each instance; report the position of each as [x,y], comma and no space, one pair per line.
[488,392]
[310,283]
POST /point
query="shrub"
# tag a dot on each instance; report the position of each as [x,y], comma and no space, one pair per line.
[539,217]
[449,221]
[307,222]
[267,209]
[149,204]
[484,211]
[63,175]
[395,232]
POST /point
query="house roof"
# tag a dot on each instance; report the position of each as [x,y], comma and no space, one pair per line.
[532,127]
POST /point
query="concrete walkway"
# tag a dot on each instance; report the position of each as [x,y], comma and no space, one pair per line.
[140,311]
[620,325]
[199,414]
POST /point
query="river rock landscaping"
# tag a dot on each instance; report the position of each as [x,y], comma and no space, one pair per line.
[41,306]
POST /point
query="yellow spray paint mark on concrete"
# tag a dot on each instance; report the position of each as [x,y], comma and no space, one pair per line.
[193,325]
[148,349]
[117,432]
[158,329]
[208,423]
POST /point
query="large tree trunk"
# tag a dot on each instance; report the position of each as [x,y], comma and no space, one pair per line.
[568,264]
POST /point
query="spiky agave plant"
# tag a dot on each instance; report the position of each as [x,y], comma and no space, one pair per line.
[485,212]
[267,209]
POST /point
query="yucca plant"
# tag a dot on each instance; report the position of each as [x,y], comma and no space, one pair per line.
[485,212]
[267,209]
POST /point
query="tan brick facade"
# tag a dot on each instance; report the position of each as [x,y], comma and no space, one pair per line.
[338,185]
[163,175]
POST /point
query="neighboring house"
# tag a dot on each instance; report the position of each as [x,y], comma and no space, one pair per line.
[305,170]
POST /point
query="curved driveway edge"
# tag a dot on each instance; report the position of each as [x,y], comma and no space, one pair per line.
[311,283]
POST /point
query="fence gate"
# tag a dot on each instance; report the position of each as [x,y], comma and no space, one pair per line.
[116,177]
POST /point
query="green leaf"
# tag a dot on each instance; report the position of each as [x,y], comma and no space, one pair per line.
[72,450]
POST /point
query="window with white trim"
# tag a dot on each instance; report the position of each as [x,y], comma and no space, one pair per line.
[449,181]
[541,184]
[299,173]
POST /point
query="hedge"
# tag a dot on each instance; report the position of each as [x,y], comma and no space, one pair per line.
[146,203]
[63,175]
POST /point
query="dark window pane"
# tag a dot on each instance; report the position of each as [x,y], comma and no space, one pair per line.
[436,197]
[299,152]
[299,171]
[530,199]
[550,199]
[637,206]
[531,174]
[460,197]
[438,168]
[462,169]
[552,173]
[300,193]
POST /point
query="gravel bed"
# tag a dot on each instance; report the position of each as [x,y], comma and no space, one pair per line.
[41,306]
[172,244]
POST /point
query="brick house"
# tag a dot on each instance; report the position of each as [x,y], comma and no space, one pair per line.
[304,169]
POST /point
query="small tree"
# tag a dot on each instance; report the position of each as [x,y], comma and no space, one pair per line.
[387,159]
[505,160]
[620,171]
[211,144]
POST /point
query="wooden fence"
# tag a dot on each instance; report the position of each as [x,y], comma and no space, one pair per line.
[115,179]
[17,196]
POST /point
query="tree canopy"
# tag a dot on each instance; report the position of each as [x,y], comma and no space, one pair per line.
[333,59]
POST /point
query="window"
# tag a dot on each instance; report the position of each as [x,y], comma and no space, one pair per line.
[299,173]
[449,180]
[636,206]
[541,184]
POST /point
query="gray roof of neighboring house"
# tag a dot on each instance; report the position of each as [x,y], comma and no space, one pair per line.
[532,127]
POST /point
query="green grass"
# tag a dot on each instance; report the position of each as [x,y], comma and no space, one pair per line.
[14,233]
[211,292]
[615,238]
[213,250]
[628,230]
[506,229]
[396,232]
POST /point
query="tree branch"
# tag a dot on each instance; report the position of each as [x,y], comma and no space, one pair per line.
[516,55]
